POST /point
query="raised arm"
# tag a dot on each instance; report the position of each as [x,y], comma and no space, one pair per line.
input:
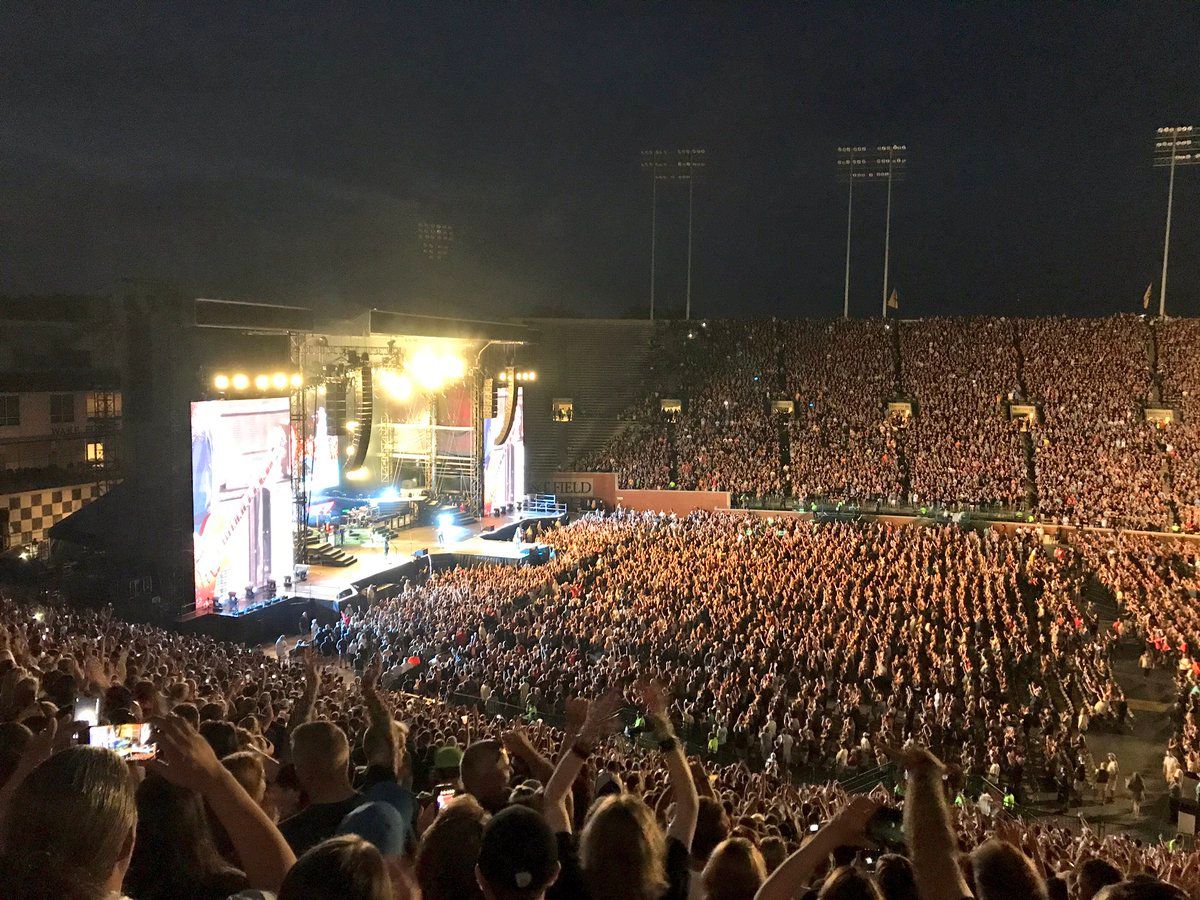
[683,789]
[380,715]
[928,830]
[846,828]
[599,720]
[187,759]
[516,741]
[302,711]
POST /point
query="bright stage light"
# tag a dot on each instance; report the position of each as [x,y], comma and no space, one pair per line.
[351,425]
[397,385]
[280,380]
[221,382]
[297,380]
[432,370]
[262,382]
[388,494]
[241,382]
[361,474]
[445,520]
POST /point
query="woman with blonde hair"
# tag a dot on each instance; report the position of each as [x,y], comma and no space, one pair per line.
[622,850]
[69,829]
[735,871]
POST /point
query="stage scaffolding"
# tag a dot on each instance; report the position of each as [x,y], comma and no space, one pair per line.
[418,445]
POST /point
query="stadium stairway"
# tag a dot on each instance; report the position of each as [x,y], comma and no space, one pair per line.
[1140,746]
[615,378]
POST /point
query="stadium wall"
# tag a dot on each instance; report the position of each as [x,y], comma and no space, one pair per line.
[603,486]
[679,502]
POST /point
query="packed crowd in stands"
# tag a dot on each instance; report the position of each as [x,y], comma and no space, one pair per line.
[727,439]
[1178,342]
[840,377]
[1092,458]
[961,446]
[1097,460]
[296,777]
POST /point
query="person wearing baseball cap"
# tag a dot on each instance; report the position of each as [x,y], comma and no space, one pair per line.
[518,856]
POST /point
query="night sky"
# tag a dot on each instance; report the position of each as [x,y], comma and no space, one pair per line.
[288,153]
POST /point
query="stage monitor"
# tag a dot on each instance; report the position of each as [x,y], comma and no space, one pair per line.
[241,496]
[504,466]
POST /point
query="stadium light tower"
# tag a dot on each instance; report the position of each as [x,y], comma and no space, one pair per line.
[1175,145]
[672,165]
[869,164]
[894,158]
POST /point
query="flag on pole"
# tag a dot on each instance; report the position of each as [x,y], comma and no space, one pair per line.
[1146,297]
[894,300]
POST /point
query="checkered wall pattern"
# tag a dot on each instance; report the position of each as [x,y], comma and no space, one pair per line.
[31,513]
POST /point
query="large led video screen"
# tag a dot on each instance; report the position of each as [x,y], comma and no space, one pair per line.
[241,495]
[504,466]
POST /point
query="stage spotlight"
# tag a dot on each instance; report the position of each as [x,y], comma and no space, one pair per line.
[445,520]
[280,380]
[297,380]
[424,368]
[453,367]
[533,376]
[432,370]
[241,382]
[397,385]
[361,474]
[262,382]
[503,376]
[221,382]
[352,425]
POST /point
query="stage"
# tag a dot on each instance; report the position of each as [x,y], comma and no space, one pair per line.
[414,552]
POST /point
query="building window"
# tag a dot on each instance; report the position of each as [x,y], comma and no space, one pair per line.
[62,409]
[103,405]
[95,451]
[10,409]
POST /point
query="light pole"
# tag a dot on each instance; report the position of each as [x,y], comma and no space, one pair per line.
[1173,145]
[653,162]
[672,165]
[867,164]
[849,163]
[894,157]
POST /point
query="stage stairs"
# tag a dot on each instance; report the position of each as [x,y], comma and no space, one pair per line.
[319,552]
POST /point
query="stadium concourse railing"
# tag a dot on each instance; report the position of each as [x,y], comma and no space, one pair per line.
[980,511]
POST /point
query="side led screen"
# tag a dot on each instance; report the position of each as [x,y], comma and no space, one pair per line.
[504,466]
[241,496]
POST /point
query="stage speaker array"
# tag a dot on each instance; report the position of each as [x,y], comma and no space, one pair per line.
[335,405]
[489,398]
[509,407]
[366,416]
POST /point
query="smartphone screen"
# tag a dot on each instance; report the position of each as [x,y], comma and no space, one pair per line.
[886,827]
[132,743]
[446,793]
[87,709]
